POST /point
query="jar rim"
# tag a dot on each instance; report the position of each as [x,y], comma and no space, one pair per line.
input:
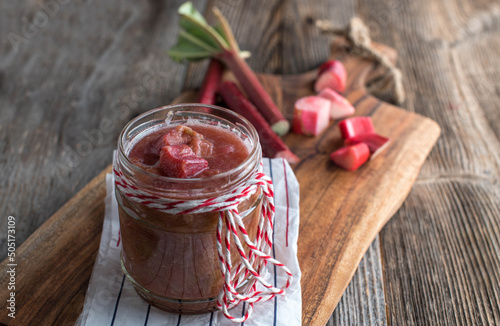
[191,107]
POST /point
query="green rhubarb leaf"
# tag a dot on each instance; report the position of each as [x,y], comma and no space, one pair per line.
[185,49]
[193,22]
[220,30]
[187,9]
[197,40]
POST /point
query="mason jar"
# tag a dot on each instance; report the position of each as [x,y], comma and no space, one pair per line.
[172,259]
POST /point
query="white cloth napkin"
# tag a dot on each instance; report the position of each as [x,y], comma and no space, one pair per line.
[112,300]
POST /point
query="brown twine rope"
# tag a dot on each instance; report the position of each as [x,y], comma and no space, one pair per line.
[358,35]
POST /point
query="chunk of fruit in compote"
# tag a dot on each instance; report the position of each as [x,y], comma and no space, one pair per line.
[179,161]
[189,151]
[183,135]
[201,147]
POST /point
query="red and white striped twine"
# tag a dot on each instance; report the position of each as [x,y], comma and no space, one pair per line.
[250,268]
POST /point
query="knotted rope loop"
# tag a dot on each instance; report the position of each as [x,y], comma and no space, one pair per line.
[358,35]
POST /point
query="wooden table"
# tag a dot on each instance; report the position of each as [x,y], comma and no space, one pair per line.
[72,73]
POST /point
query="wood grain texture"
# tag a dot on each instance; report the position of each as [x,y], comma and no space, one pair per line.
[90,59]
[50,283]
[441,250]
[455,253]
[363,302]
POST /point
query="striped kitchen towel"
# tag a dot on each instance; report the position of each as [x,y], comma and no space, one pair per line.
[111,299]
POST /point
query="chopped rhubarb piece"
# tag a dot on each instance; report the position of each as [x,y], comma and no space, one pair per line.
[182,135]
[375,142]
[356,126]
[339,105]
[176,137]
[351,157]
[331,65]
[331,74]
[201,147]
[179,161]
[191,166]
[311,115]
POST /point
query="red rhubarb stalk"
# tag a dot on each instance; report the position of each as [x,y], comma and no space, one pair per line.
[179,161]
[198,40]
[255,91]
[272,145]
[212,80]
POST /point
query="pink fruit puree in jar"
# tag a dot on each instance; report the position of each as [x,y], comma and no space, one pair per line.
[183,152]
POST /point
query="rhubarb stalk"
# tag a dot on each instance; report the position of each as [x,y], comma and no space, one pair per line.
[272,145]
[213,76]
[198,40]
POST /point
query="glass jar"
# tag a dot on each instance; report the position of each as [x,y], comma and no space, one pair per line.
[171,259]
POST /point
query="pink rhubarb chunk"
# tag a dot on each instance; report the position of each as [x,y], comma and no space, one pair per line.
[311,115]
[179,161]
[331,74]
[356,126]
[180,135]
[351,157]
[339,105]
[375,142]
[183,135]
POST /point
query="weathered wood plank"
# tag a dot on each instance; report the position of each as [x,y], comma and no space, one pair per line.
[363,302]
[442,268]
[46,275]
[441,250]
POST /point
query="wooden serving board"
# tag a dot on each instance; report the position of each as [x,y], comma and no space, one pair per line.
[341,212]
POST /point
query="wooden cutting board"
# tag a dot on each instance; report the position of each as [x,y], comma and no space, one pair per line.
[341,212]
